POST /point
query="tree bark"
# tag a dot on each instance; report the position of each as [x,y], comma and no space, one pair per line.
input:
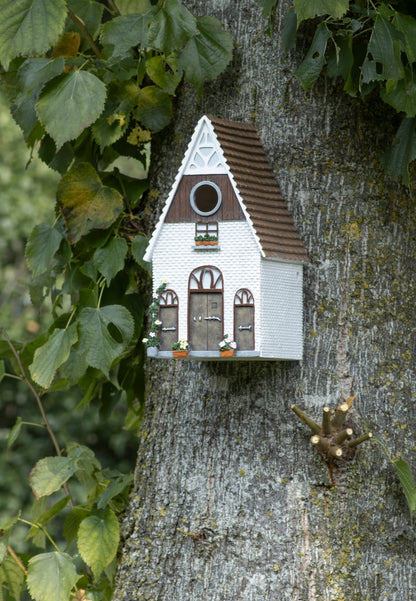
[232,502]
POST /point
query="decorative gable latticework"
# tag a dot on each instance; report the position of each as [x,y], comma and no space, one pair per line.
[204,154]
[259,191]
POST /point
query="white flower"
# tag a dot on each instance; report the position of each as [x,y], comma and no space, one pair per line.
[233,345]
[145,340]
[221,344]
[165,281]
[158,322]
[155,295]
[152,334]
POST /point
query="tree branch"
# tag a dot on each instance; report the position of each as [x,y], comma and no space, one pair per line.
[38,400]
[79,23]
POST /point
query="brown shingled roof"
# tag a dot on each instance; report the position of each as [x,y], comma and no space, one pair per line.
[259,190]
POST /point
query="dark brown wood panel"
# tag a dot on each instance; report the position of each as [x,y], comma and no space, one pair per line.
[180,210]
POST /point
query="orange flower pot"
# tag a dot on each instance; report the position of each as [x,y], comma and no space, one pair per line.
[227,353]
[180,354]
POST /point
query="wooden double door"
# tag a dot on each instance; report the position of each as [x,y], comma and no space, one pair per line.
[205,320]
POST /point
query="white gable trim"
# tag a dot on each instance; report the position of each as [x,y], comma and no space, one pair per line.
[203,156]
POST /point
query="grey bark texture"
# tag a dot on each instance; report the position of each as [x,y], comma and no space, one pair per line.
[231,501]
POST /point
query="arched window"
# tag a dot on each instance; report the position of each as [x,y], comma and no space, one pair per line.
[206,278]
[243,297]
[168,298]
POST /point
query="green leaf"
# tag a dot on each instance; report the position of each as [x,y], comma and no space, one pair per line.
[29,27]
[290,25]
[69,104]
[396,160]
[401,95]
[44,241]
[110,259]
[407,26]
[97,342]
[125,32]
[23,111]
[308,9]
[138,248]
[383,60]
[52,355]
[98,538]
[106,133]
[268,6]
[207,54]
[14,433]
[59,161]
[72,522]
[172,26]
[406,480]
[2,370]
[154,108]
[35,72]
[51,576]
[74,367]
[311,67]
[83,456]
[46,516]
[116,487]
[50,473]
[341,59]
[128,7]
[156,70]
[5,531]
[12,575]
[85,202]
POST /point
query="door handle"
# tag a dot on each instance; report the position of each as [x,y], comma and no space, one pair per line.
[212,317]
[172,329]
[250,327]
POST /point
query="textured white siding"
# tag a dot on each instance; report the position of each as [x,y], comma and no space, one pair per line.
[281,310]
[238,258]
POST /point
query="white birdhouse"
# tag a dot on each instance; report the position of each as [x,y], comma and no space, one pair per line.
[229,253]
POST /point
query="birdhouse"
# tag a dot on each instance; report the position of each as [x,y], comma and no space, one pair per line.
[226,257]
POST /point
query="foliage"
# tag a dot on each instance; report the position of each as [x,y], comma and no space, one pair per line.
[26,195]
[90,85]
[371,47]
[153,338]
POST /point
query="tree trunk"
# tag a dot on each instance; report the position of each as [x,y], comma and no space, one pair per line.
[231,500]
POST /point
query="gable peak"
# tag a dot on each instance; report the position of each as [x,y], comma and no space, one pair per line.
[204,153]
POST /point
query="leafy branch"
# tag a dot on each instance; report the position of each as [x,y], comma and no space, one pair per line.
[89,90]
[32,389]
[371,48]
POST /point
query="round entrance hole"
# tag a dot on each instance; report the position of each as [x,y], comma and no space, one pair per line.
[206,198]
